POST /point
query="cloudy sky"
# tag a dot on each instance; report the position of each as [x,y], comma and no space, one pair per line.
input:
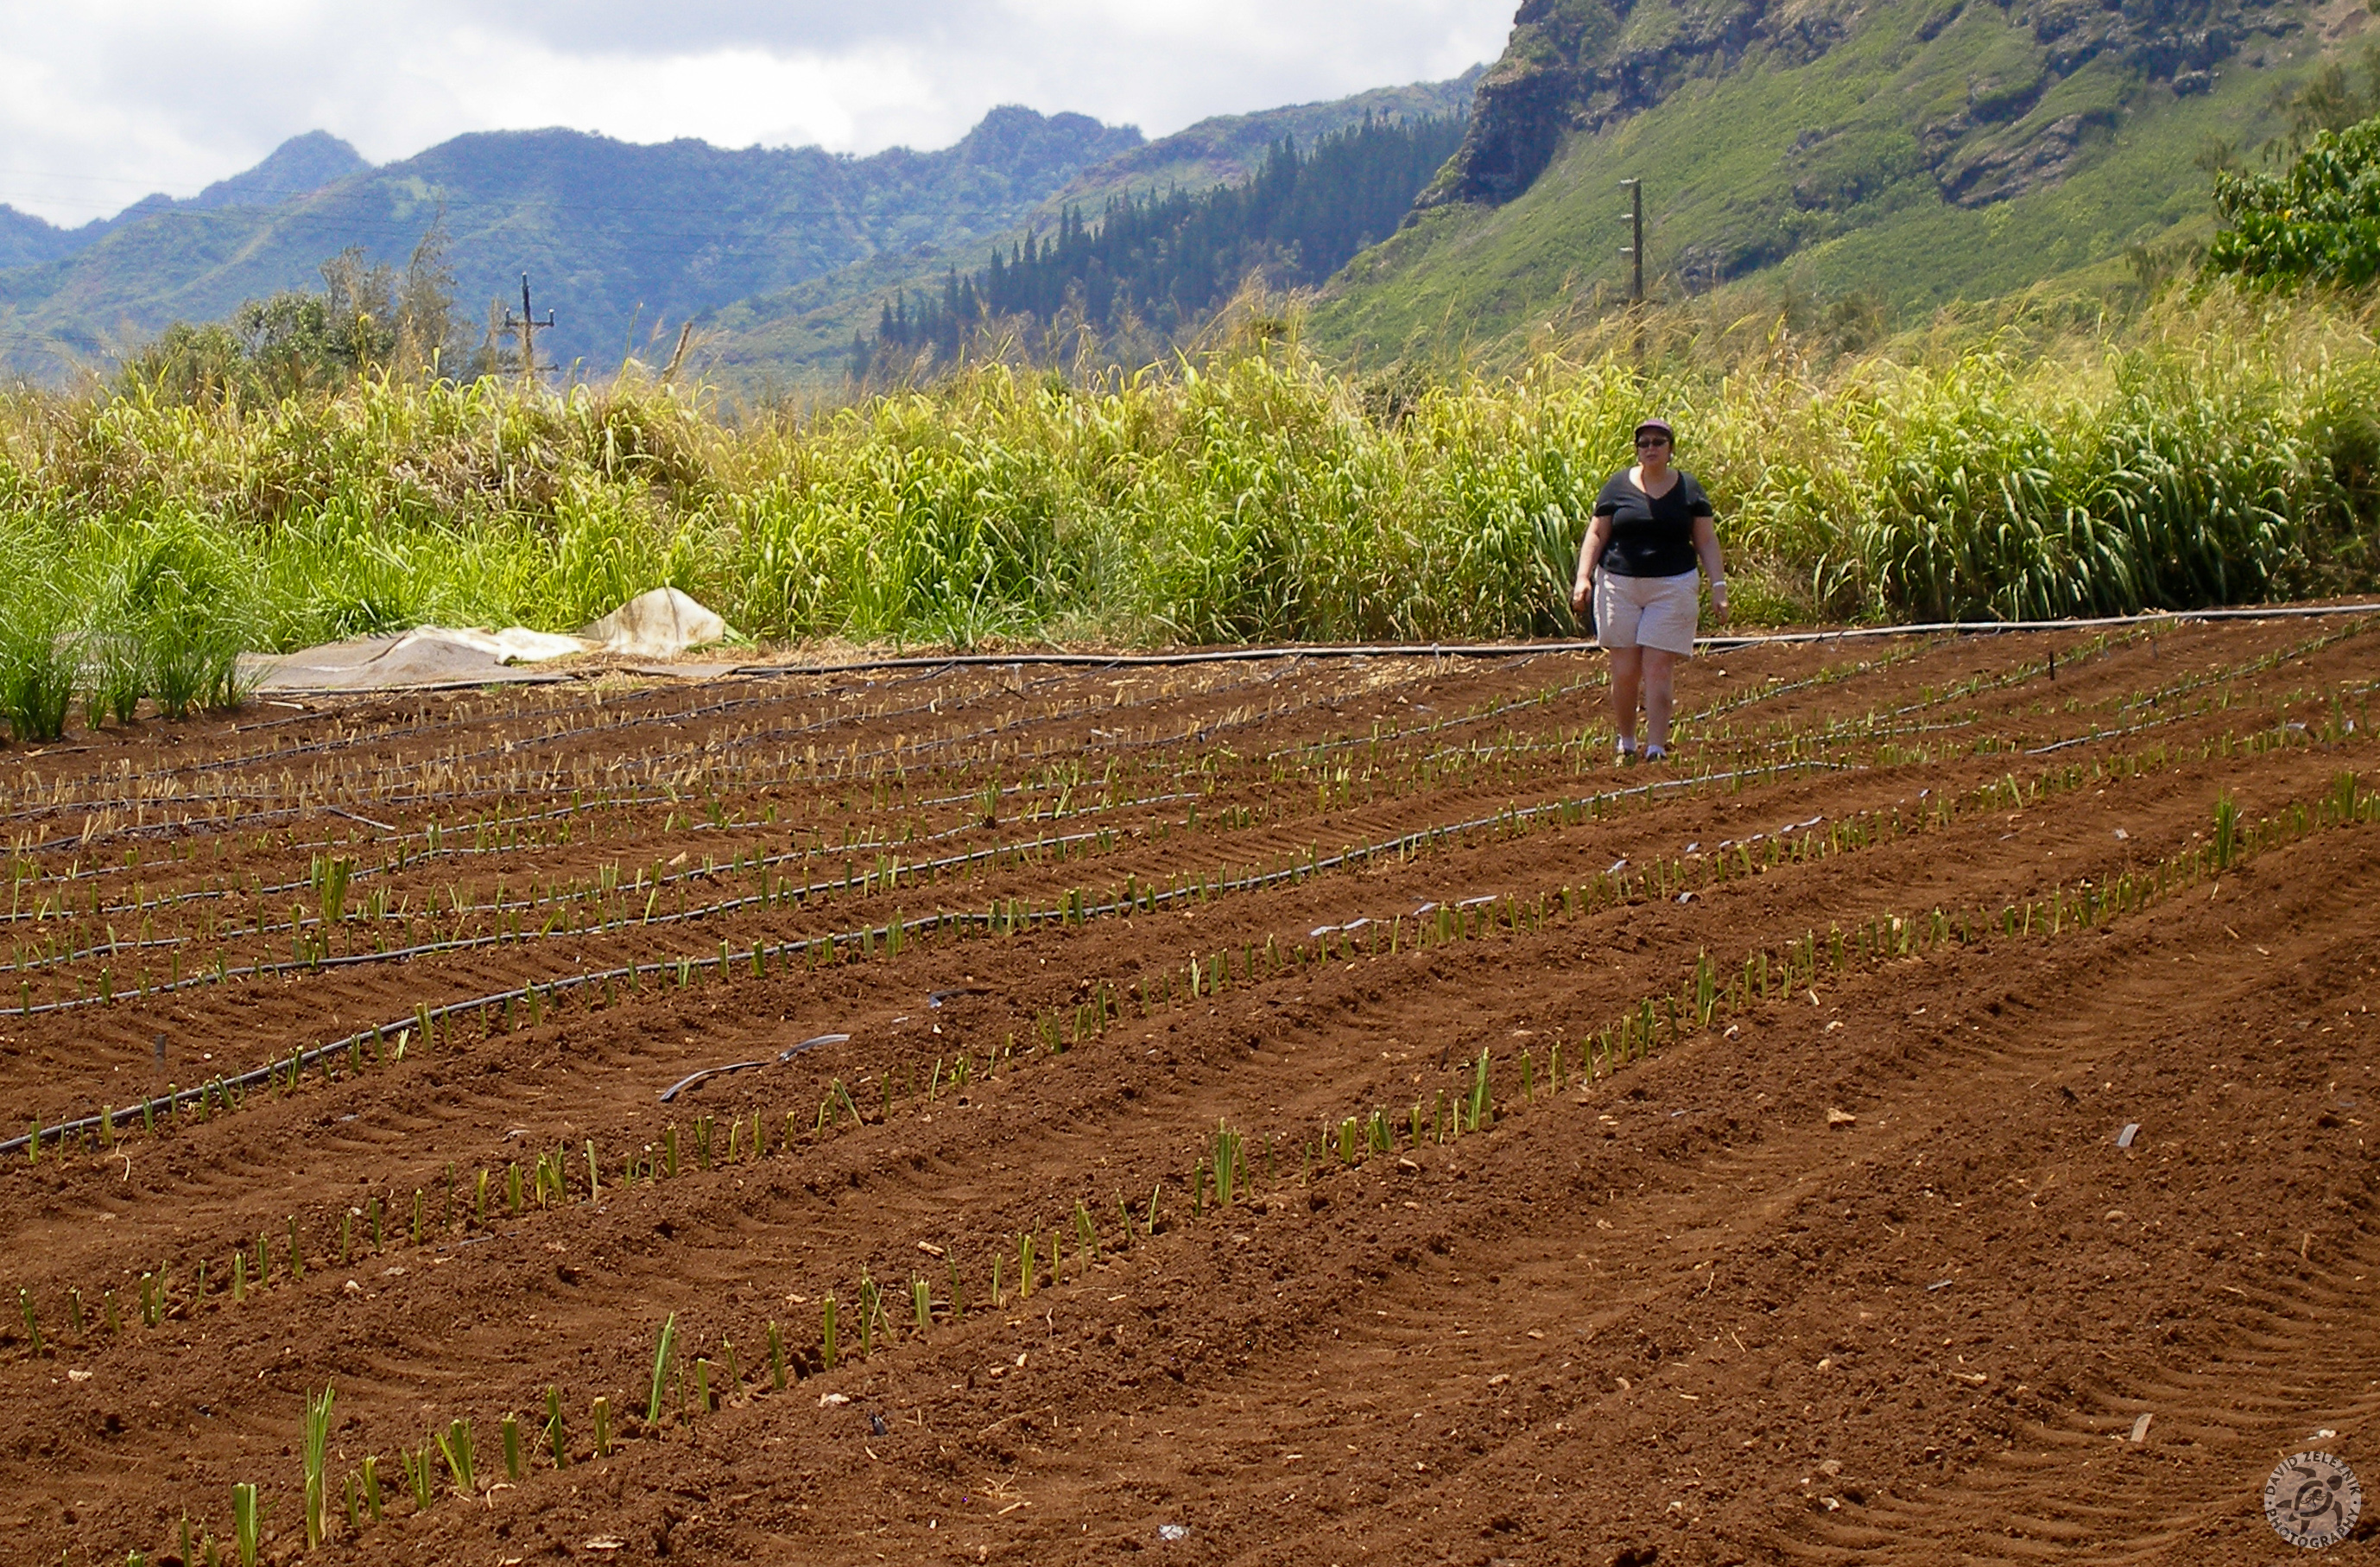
[105,100]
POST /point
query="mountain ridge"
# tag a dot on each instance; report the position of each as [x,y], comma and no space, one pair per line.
[299,166]
[618,235]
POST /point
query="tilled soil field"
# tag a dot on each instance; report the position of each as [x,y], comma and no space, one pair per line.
[1313,1111]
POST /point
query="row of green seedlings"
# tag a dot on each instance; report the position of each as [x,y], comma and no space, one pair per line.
[1443,923]
[1452,923]
[1636,1032]
[1587,749]
[845,762]
[1075,910]
[606,795]
[1217,1183]
[1886,936]
[329,878]
[486,837]
[2162,698]
[504,835]
[1469,919]
[312,951]
[1540,698]
[329,875]
[532,1004]
[718,818]
[2333,730]
[1005,917]
[1697,1005]
[553,1179]
[1699,722]
[590,719]
[447,1460]
[1353,1140]
[1547,697]
[941,700]
[1663,879]
[1878,722]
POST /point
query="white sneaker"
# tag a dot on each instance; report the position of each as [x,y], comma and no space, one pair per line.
[1627,754]
[1657,753]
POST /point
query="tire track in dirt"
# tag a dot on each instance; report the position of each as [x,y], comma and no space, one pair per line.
[1687,1220]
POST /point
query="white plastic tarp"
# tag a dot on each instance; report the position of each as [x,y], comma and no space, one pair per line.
[659,625]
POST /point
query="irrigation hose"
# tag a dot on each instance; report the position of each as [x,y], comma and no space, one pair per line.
[868,937]
[1531,650]
[302,1059]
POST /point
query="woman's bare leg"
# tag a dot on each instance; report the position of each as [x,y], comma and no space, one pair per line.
[1660,682]
[1627,666]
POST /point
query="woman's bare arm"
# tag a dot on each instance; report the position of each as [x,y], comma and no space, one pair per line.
[1713,567]
[1590,555]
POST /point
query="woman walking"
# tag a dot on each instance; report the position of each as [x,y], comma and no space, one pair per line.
[1652,523]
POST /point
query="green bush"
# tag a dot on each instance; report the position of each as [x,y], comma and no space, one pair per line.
[2318,221]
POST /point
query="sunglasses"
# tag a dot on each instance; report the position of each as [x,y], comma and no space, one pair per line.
[1645,441]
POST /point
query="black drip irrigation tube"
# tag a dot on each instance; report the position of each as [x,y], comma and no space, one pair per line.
[1523,650]
[844,883]
[868,935]
[605,928]
[998,920]
[1377,649]
[646,763]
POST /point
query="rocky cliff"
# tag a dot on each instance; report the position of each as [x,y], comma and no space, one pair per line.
[1583,66]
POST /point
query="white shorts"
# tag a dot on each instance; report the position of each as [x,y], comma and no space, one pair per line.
[1646,612]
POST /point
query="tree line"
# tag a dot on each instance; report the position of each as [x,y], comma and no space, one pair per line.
[1159,265]
[369,318]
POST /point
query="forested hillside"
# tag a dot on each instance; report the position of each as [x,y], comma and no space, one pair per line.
[1154,268]
[803,335]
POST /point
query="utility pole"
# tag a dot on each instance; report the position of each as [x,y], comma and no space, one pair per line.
[1634,250]
[527,324]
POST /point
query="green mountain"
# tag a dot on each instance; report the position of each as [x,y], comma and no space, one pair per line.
[621,240]
[1911,152]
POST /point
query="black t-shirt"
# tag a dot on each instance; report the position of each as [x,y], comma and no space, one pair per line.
[1651,537]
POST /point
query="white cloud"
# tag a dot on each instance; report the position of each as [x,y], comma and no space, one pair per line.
[105,100]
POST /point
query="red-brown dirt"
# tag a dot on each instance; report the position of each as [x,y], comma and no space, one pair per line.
[1855,1267]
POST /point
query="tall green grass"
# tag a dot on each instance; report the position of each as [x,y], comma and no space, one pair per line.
[2213,448]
